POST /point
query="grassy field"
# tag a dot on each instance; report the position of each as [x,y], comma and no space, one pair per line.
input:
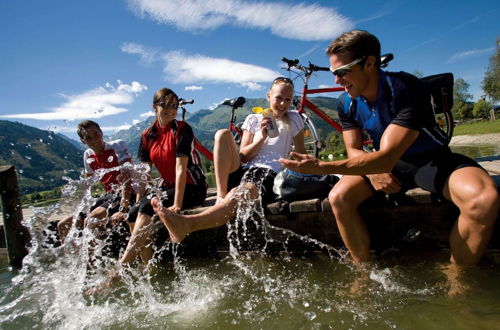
[483,127]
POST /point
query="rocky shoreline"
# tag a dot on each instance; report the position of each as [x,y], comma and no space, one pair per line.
[476,139]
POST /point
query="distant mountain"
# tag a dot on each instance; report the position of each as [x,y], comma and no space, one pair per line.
[206,122]
[41,157]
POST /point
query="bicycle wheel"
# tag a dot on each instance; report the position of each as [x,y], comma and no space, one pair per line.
[445,122]
[311,138]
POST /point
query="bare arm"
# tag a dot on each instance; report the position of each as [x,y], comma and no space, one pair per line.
[180,182]
[126,186]
[395,141]
[298,143]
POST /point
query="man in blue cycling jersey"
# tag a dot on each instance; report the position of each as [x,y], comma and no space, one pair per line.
[410,151]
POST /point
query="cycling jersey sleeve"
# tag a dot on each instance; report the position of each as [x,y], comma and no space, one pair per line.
[412,104]
[345,115]
[87,160]
[184,141]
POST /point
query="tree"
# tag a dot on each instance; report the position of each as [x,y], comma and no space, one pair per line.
[491,81]
[481,109]
[461,107]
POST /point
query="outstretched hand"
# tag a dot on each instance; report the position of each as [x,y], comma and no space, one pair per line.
[303,163]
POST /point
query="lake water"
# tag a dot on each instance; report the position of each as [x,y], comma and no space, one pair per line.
[408,289]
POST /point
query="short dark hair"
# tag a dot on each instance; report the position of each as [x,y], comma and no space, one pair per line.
[356,44]
[84,126]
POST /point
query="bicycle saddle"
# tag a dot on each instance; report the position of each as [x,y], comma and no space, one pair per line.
[236,102]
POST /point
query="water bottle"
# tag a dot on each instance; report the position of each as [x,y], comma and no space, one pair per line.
[272,126]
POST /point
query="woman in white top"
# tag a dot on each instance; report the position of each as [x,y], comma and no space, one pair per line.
[253,168]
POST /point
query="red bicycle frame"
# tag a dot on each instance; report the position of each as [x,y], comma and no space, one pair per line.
[207,153]
[234,104]
[304,102]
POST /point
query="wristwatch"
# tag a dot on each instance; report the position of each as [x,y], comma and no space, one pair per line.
[123,209]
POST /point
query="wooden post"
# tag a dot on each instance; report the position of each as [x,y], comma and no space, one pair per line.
[16,235]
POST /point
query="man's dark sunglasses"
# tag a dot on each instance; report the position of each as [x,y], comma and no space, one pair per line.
[345,69]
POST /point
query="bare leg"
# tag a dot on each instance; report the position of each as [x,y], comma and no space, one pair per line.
[96,225]
[345,198]
[179,226]
[64,226]
[473,191]
[139,241]
[226,160]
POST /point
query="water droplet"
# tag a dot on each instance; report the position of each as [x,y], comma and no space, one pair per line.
[110,159]
[305,303]
[90,160]
[20,171]
[12,144]
[27,157]
[41,140]
[40,177]
[310,315]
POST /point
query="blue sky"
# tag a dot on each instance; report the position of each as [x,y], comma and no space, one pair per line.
[64,60]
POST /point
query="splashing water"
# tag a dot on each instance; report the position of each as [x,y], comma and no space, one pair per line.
[240,289]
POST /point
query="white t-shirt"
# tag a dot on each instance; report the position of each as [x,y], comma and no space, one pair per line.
[273,148]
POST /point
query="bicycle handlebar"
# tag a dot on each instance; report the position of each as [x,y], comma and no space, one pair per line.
[307,69]
[182,102]
[384,62]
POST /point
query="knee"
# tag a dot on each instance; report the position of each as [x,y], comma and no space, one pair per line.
[251,189]
[222,135]
[482,207]
[339,198]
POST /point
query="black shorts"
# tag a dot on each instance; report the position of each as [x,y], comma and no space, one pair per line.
[430,170]
[262,177]
[193,195]
[110,201]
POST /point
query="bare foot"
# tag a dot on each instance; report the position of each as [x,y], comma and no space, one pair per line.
[457,285]
[175,224]
[103,287]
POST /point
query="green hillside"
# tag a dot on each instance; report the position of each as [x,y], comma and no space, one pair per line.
[41,157]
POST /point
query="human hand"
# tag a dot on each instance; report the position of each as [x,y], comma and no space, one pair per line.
[175,208]
[303,163]
[385,182]
[264,126]
[117,218]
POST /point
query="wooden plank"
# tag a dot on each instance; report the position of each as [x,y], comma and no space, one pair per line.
[17,236]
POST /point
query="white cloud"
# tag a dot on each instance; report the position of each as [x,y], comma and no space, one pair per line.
[469,53]
[147,55]
[147,114]
[293,21]
[96,103]
[251,86]
[180,67]
[193,88]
